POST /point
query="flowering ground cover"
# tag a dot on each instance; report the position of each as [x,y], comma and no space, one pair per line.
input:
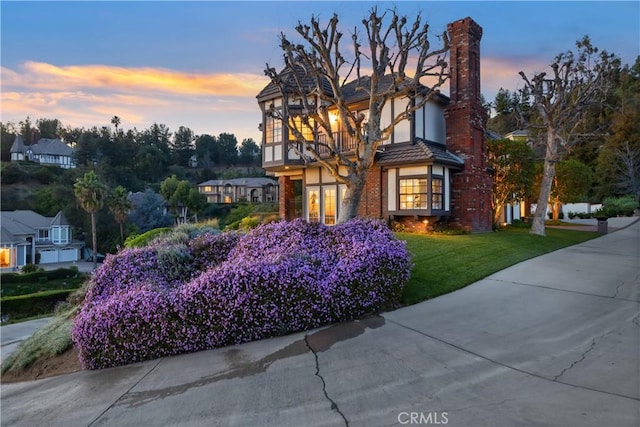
[195,292]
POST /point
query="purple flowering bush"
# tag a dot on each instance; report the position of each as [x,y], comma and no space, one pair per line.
[230,288]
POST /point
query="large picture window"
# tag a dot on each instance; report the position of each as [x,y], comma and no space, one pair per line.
[437,193]
[413,193]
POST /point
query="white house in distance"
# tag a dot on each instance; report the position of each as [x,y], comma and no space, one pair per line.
[253,190]
[29,238]
[45,151]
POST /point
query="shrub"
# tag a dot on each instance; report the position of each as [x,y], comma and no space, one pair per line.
[140,240]
[618,206]
[22,306]
[278,278]
[30,268]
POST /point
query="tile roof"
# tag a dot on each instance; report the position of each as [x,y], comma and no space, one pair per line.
[420,151]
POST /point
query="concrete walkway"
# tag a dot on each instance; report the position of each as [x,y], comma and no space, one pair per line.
[552,341]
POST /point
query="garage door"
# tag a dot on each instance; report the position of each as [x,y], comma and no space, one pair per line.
[48,256]
[67,255]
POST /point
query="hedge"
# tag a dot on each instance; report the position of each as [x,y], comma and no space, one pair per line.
[22,306]
[38,276]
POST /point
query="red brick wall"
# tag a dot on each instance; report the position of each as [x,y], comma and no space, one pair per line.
[466,120]
[372,196]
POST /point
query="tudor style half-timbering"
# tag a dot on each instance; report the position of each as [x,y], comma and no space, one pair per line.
[45,151]
[432,168]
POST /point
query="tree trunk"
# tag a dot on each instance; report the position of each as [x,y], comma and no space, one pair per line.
[352,197]
[95,240]
[555,210]
[121,232]
[549,172]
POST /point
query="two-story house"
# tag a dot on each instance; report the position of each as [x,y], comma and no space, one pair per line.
[432,169]
[45,151]
[253,190]
[29,238]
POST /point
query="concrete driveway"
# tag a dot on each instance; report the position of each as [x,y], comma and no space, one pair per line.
[553,341]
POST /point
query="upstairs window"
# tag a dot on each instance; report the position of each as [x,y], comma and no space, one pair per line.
[43,234]
[272,130]
[306,131]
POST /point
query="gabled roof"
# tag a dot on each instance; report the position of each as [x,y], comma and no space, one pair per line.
[44,146]
[26,218]
[8,238]
[18,145]
[352,91]
[418,151]
[305,76]
[59,219]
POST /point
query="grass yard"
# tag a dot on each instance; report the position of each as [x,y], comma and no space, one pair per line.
[445,263]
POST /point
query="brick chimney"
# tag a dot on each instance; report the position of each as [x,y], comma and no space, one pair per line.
[466,123]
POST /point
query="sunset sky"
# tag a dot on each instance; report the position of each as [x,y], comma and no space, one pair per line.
[200,64]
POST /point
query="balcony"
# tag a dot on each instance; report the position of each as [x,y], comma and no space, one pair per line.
[278,155]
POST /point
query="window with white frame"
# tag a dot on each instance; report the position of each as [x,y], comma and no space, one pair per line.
[313,203]
[43,234]
[329,208]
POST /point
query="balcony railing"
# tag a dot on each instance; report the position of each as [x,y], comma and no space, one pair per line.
[344,142]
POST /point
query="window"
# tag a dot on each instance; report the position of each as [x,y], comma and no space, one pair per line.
[437,193]
[329,206]
[60,235]
[43,234]
[413,193]
[7,257]
[272,130]
[306,131]
[314,205]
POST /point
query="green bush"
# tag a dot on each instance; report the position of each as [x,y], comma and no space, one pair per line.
[37,276]
[22,306]
[14,284]
[30,268]
[618,206]
[518,223]
[140,240]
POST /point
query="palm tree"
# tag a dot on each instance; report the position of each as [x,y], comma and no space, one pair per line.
[120,205]
[90,192]
[115,120]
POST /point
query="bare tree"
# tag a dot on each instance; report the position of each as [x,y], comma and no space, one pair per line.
[577,81]
[628,168]
[318,77]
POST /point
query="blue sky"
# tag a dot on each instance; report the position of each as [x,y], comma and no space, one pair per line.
[200,64]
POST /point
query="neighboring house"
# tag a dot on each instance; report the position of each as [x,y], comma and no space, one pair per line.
[254,190]
[30,238]
[45,151]
[432,169]
[518,135]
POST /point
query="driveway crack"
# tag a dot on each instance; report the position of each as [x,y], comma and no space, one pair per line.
[582,356]
[334,405]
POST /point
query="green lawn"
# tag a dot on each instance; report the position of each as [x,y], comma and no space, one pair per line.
[444,263]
